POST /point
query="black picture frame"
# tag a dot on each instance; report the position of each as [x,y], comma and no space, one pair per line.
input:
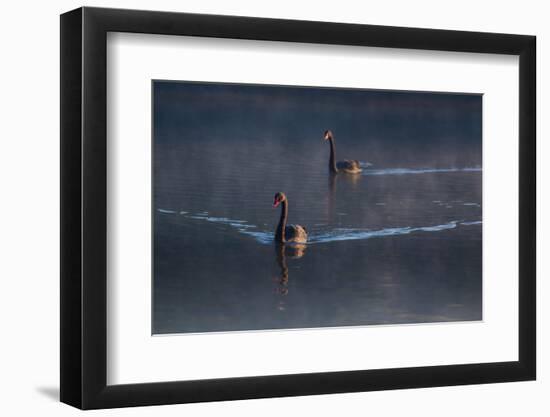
[84,207]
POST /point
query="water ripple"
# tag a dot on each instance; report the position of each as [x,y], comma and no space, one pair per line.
[407,171]
[335,235]
[358,234]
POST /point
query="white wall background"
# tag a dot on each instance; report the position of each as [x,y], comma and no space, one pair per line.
[29,236]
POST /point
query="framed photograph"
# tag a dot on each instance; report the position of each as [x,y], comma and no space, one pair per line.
[259,208]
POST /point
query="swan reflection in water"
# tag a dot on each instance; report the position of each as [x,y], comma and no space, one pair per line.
[352,180]
[350,184]
[282,251]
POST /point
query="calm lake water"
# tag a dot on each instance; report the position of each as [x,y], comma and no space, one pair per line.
[399,243]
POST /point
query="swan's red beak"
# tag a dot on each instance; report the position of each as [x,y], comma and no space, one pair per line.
[276,203]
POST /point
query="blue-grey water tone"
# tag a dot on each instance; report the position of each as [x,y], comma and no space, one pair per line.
[398,243]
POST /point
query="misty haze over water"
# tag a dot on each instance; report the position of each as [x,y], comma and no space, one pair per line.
[398,243]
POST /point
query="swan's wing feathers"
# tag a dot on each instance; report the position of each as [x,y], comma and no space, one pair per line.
[355,164]
[295,233]
[348,165]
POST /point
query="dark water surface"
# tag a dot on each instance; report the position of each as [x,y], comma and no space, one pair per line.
[399,243]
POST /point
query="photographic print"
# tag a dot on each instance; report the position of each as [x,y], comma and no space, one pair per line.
[290,207]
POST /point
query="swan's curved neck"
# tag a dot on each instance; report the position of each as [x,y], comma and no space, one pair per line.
[280,233]
[332,159]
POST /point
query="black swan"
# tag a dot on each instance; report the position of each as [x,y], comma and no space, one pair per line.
[347,166]
[292,232]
